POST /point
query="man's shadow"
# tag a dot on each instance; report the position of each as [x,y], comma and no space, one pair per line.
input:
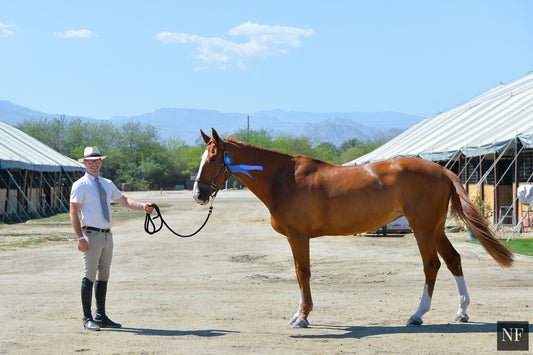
[207,333]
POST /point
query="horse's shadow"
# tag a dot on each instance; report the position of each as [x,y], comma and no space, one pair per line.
[206,333]
[358,332]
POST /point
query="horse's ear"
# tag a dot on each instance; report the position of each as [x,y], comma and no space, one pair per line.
[205,137]
[215,135]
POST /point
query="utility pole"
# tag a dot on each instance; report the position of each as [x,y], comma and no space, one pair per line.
[248,130]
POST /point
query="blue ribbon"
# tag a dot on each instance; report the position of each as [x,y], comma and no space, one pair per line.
[244,169]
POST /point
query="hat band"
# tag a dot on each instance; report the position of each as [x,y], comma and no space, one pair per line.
[93,155]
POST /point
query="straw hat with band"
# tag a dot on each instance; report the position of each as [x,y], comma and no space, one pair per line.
[91,153]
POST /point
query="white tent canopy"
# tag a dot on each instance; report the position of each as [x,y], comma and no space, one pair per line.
[483,125]
[19,150]
[35,180]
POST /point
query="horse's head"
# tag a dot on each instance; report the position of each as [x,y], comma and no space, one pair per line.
[213,171]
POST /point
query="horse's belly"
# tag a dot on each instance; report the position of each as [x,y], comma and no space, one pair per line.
[353,223]
[337,215]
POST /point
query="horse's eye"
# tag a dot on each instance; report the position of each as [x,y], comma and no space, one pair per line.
[213,159]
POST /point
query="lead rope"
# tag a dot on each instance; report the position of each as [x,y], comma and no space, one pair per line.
[149,222]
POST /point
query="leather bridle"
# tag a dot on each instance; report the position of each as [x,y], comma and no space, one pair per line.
[223,170]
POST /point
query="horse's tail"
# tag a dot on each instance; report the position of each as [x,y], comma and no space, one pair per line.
[463,208]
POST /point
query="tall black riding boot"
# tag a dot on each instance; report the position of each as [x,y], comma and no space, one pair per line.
[86,299]
[100,318]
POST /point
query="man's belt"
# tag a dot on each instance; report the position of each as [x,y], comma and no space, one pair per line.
[101,230]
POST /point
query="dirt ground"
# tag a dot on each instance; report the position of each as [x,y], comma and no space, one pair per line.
[232,290]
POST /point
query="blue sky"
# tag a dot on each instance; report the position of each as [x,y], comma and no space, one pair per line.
[107,58]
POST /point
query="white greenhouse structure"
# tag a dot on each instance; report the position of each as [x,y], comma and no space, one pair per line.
[35,180]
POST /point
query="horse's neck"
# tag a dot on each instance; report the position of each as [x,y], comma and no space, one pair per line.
[271,161]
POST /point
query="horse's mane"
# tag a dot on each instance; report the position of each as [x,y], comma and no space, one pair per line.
[262,149]
[277,153]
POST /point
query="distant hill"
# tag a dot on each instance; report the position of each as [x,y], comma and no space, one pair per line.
[185,124]
[12,114]
[335,127]
[338,130]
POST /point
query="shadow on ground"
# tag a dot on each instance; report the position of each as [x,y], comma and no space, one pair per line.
[207,333]
[358,332]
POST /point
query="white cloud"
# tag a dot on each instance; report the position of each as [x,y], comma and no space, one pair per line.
[169,37]
[76,34]
[263,41]
[5,30]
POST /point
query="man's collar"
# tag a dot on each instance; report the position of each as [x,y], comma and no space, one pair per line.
[91,176]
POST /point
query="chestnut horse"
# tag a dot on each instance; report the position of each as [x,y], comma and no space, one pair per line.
[309,198]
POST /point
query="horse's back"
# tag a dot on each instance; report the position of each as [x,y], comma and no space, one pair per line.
[399,174]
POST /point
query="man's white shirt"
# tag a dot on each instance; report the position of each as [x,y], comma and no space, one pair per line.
[85,191]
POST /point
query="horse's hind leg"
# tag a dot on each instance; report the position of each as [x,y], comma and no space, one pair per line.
[430,259]
[453,261]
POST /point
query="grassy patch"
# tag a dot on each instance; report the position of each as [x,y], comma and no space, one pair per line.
[518,246]
[57,218]
[30,242]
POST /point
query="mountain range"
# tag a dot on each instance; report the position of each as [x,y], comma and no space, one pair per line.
[185,123]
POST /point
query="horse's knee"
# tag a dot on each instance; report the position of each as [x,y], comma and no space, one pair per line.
[303,273]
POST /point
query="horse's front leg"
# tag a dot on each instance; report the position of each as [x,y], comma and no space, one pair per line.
[300,251]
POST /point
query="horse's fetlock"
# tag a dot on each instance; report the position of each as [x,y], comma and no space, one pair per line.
[464,300]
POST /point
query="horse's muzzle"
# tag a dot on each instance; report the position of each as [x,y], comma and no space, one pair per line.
[201,196]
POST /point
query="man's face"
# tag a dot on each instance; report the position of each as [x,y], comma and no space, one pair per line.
[93,166]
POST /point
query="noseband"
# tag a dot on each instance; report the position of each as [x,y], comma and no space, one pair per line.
[223,170]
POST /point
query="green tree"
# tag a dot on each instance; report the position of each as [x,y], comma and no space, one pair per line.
[48,130]
[327,151]
[262,138]
[350,143]
[354,148]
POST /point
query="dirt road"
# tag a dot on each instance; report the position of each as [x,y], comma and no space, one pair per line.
[232,290]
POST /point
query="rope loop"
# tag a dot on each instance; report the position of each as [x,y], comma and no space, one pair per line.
[151,228]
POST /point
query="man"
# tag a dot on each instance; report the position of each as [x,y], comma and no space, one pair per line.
[91,195]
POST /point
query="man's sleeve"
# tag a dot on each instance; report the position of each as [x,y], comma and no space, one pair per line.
[76,194]
[115,192]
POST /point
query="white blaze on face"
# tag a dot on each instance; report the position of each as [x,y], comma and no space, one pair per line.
[196,190]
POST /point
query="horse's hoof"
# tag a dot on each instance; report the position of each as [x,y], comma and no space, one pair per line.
[460,318]
[414,322]
[300,323]
[294,319]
